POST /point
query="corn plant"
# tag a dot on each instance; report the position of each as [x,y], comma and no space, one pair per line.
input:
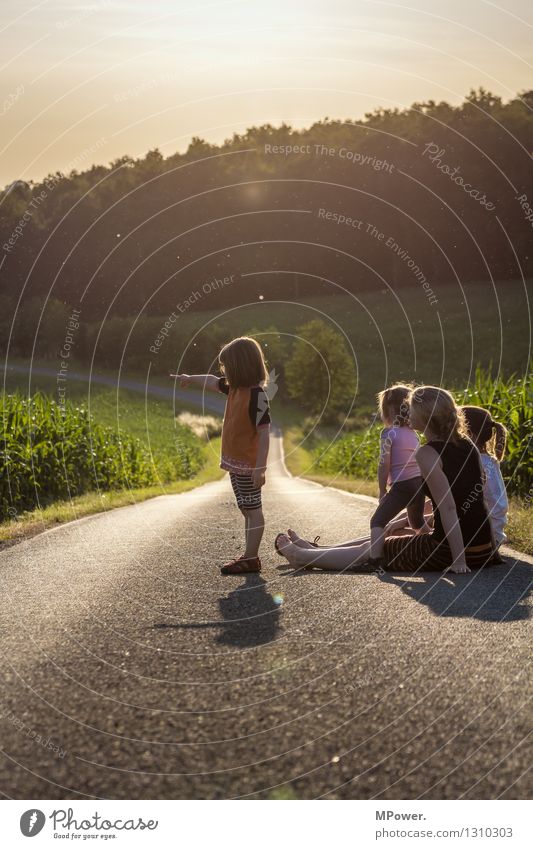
[510,401]
[51,451]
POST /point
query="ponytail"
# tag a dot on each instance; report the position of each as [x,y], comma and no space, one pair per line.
[500,440]
[488,435]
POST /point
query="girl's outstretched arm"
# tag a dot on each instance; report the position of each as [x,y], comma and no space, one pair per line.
[206,381]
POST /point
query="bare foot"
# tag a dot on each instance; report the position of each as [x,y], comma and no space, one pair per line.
[298,540]
[296,555]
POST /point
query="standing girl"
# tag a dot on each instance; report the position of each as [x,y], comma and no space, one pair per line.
[245,437]
[490,439]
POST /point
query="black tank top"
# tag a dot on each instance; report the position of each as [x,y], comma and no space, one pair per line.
[461,465]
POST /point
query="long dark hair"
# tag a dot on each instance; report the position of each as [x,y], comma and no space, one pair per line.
[489,436]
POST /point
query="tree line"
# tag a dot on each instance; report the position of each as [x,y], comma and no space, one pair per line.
[429,196]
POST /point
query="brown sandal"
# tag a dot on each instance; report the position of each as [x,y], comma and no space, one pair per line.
[241,565]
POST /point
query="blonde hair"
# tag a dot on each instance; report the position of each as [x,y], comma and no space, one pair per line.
[393,404]
[435,409]
[242,363]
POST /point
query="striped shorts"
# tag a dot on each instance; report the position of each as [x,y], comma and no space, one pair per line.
[248,498]
[422,552]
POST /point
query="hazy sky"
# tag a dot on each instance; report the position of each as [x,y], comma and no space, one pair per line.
[86,82]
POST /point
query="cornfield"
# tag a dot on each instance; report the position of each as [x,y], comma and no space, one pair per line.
[50,451]
[509,400]
[354,455]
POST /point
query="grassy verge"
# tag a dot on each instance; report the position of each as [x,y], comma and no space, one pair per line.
[299,461]
[520,527]
[34,522]
[395,340]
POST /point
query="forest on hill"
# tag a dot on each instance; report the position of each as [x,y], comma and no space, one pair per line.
[432,194]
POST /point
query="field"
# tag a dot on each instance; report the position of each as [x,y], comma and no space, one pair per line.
[128,413]
[394,336]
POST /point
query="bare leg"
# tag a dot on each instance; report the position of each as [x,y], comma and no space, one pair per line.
[245,514]
[398,524]
[333,559]
[254,527]
[305,543]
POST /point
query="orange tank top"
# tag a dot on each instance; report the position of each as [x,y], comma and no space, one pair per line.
[246,411]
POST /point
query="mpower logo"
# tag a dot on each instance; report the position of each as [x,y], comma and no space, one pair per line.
[32,822]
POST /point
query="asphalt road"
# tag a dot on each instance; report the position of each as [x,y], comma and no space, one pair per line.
[132,669]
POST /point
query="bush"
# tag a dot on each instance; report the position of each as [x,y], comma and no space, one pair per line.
[320,373]
[188,458]
[204,427]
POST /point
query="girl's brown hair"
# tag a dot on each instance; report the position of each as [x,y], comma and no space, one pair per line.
[393,404]
[243,364]
[488,435]
[434,408]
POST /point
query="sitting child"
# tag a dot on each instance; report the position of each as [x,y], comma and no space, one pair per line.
[490,438]
[397,467]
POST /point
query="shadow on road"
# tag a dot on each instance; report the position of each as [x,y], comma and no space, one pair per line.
[250,616]
[497,594]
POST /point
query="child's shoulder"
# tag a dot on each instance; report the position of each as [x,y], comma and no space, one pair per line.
[394,431]
[404,435]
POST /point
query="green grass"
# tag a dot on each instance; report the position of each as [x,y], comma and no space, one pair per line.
[300,459]
[520,527]
[412,341]
[403,337]
[282,793]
